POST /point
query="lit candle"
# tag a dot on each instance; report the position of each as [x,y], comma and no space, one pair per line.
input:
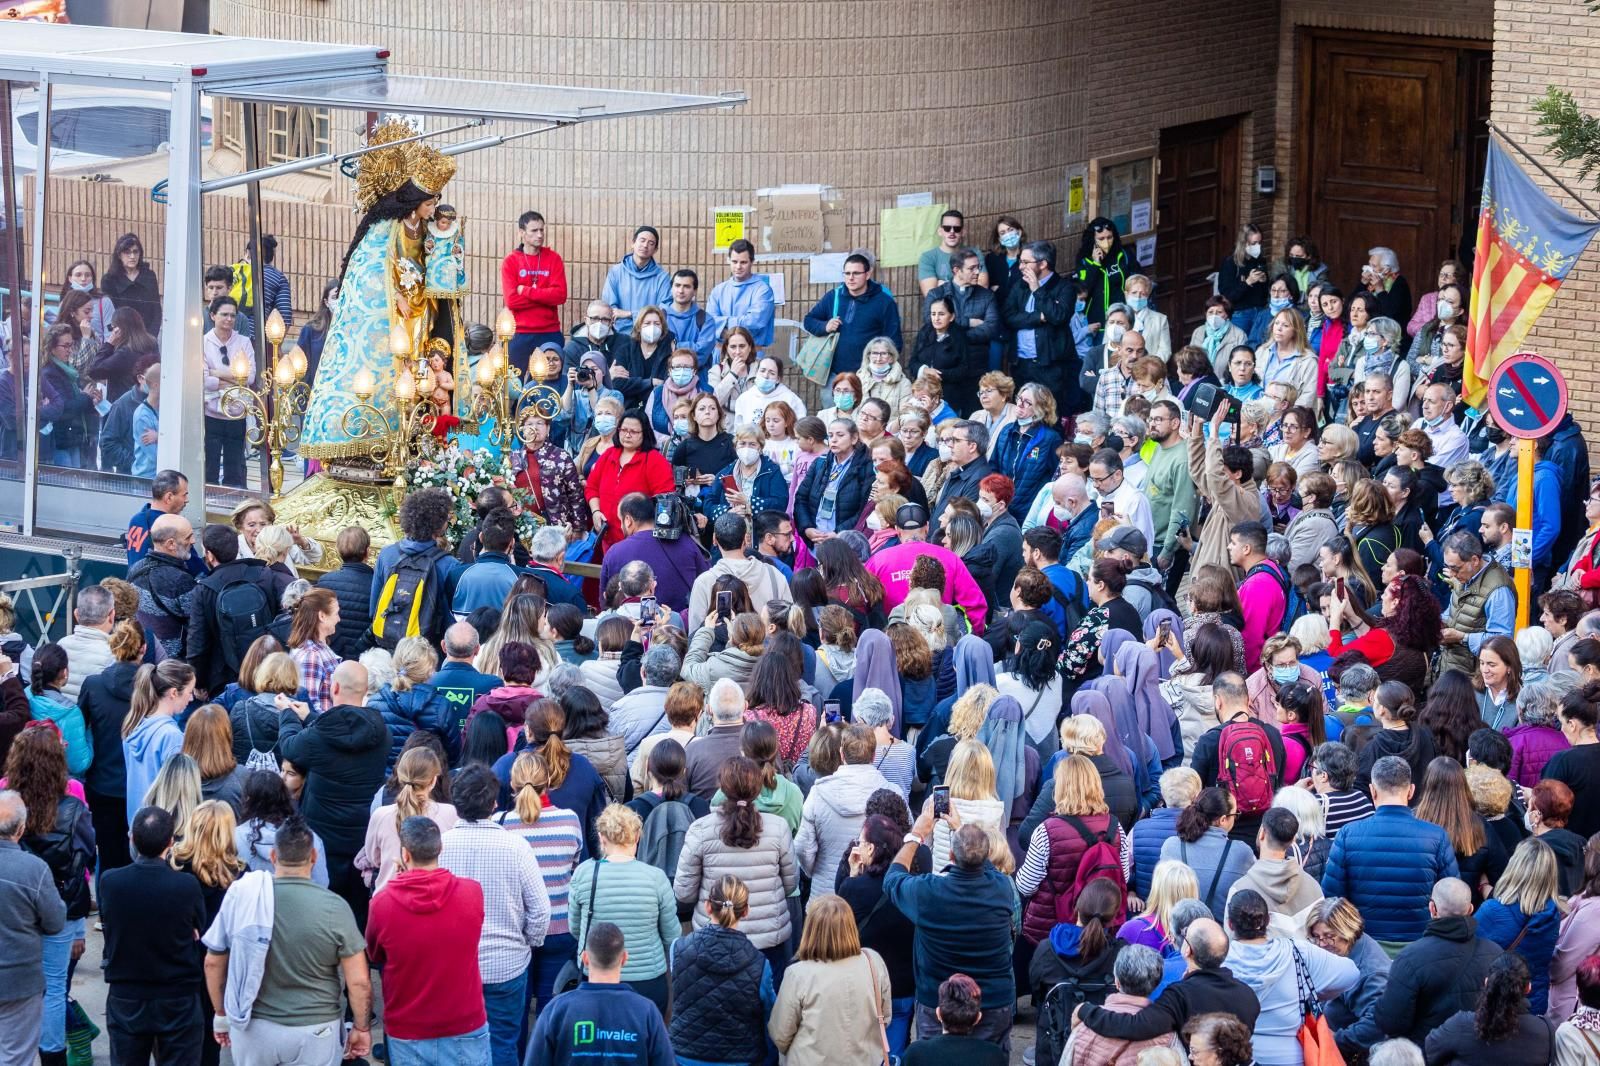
[405,386]
[284,374]
[364,383]
[240,369]
[399,339]
[486,372]
[297,362]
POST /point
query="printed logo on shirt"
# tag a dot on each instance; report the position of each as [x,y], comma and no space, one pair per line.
[588,1033]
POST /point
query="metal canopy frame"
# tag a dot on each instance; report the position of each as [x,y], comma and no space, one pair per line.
[253,71]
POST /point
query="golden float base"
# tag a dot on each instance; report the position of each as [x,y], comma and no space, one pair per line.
[323,505]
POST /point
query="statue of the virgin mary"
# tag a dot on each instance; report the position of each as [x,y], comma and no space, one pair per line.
[381,287]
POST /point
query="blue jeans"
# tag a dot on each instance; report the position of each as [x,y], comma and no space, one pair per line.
[899,1027]
[57,958]
[468,1049]
[507,1005]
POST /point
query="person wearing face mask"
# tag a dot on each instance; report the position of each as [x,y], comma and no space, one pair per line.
[1381,276]
[596,335]
[653,342]
[846,391]
[552,477]
[80,278]
[688,322]
[1283,295]
[1451,272]
[1039,312]
[882,377]
[1437,421]
[1002,263]
[1103,358]
[1217,335]
[766,387]
[637,281]
[1152,324]
[587,386]
[1026,449]
[682,382]
[944,344]
[1301,262]
[1103,266]
[858,310]
[759,483]
[1427,347]
[1242,278]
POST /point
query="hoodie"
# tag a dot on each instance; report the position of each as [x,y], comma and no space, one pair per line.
[1060,958]
[831,818]
[423,930]
[151,743]
[764,582]
[634,288]
[1287,888]
[1143,600]
[746,303]
[343,753]
[693,329]
[1268,967]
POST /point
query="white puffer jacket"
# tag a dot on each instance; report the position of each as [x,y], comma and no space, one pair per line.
[831,818]
[767,869]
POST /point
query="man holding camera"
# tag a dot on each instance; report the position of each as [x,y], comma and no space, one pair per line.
[676,561]
[1224,473]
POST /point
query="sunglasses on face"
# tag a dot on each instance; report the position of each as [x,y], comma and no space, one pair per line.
[951,229]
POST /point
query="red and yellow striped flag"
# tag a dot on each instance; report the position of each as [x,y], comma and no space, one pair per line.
[1526,245]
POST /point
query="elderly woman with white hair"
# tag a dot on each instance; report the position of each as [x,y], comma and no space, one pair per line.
[1313,842]
[895,759]
[1534,645]
[1537,736]
[547,552]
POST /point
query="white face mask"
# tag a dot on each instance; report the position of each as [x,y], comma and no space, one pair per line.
[1253,250]
[1062,514]
[986,508]
[599,331]
[680,426]
[749,455]
[874,522]
[946,453]
[651,333]
[1114,333]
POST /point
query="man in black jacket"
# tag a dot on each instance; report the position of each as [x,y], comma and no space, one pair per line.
[836,487]
[154,917]
[1038,315]
[216,644]
[490,500]
[351,585]
[1442,973]
[166,587]
[1207,986]
[965,444]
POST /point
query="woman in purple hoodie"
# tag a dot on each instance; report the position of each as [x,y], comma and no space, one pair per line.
[1537,735]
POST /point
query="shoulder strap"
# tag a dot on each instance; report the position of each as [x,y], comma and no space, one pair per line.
[1222,864]
[1089,837]
[1520,934]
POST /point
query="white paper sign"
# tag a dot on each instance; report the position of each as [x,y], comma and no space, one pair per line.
[828,268]
[1145,251]
[914,199]
[1139,217]
[776,281]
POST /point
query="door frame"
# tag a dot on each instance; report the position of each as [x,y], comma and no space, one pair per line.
[1306,40]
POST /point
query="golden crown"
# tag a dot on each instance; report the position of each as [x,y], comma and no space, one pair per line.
[385,169]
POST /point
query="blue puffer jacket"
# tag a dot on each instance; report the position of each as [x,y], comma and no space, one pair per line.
[1146,838]
[1504,924]
[1028,458]
[1387,866]
[769,492]
[419,707]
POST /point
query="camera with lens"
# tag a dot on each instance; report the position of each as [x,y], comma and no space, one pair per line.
[586,375]
[1208,399]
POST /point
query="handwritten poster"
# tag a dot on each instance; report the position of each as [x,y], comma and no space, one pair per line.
[904,233]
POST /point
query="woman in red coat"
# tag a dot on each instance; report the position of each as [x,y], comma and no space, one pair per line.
[634,465]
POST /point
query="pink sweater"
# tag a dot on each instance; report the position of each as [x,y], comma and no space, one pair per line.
[893,568]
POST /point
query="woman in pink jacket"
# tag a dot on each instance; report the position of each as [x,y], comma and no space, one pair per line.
[1579,938]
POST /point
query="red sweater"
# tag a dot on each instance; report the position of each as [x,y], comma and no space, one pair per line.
[609,481]
[423,929]
[534,287]
[1376,644]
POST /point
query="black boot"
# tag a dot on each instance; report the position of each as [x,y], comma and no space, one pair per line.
[53,1058]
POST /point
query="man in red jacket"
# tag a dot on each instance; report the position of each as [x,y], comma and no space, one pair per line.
[423,930]
[533,283]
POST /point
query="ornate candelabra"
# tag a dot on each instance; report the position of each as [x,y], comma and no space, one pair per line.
[277,401]
[388,431]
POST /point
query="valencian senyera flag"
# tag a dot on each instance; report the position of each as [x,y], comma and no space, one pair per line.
[1526,245]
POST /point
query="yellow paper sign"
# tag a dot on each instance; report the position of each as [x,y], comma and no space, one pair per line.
[729,227]
[1075,195]
[904,233]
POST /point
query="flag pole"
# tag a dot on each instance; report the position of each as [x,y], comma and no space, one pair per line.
[1524,153]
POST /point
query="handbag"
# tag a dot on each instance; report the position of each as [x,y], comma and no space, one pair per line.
[877,1010]
[1315,1035]
[815,358]
[570,975]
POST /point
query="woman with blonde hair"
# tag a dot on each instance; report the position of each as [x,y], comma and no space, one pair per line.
[314,622]
[149,734]
[418,772]
[209,854]
[1287,357]
[1337,443]
[835,998]
[176,789]
[1369,523]
[409,702]
[883,378]
[967,716]
[1524,916]
[208,740]
[634,895]
[254,720]
[1063,824]
[1334,924]
[973,796]
[273,546]
[252,516]
[556,836]
[1170,882]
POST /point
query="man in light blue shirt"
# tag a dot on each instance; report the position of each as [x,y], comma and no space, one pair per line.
[691,325]
[745,299]
[147,424]
[638,281]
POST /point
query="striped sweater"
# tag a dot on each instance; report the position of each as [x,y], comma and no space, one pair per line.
[556,839]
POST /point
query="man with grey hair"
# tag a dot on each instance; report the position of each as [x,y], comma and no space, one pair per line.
[1132,430]
[706,754]
[962,918]
[1440,973]
[1396,1052]
[895,759]
[547,554]
[459,681]
[1138,971]
[1381,277]
[643,712]
[1388,864]
[30,910]
[963,446]
[1483,601]
[88,646]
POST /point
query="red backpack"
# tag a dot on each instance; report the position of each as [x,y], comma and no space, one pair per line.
[1245,765]
[1101,858]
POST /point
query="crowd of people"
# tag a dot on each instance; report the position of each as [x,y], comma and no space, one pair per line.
[1167,695]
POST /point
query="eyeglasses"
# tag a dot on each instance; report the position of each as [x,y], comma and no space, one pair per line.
[600,318]
[855,273]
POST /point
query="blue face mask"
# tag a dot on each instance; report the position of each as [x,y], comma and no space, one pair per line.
[1138,303]
[766,384]
[1077,308]
[1010,240]
[1285,674]
[682,375]
[1370,342]
[844,400]
[604,424]
[1278,303]
[680,426]
[1217,324]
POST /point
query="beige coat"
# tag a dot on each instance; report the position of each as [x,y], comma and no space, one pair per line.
[1233,501]
[824,1015]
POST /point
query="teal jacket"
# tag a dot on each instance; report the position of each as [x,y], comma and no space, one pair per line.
[51,706]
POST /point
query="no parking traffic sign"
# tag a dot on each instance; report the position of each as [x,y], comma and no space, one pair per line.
[1527,395]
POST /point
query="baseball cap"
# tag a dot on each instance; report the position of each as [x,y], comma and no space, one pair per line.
[911,516]
[1124,538]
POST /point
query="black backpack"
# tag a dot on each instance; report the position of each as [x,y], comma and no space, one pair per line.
[1160,598]
[409,603]
[1290,593]
[68,863]
[244,612]
[1054,1026]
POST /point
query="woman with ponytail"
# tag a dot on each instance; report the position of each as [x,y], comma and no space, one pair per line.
[1083,950]
[49,703]
[149,734]
[1401,734]
[667,776]
[739,839]
[758,741]
[722,987]
[417,772]
[556,836]
[1501,1028]
[574,783]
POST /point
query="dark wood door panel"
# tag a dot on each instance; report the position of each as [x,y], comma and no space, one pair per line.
[1198,197]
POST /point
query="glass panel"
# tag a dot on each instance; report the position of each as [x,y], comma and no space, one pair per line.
[17,320]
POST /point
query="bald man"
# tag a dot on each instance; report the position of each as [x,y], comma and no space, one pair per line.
[165,583]
[343,753]
[1440,974]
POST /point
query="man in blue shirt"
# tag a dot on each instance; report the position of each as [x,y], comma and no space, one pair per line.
[1041,548]
[692,326]
[492,574]
[602,1020]
[745,299]
[638,281]
[169,494]
[858,311]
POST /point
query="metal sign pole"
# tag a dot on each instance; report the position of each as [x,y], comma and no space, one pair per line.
[1523,575]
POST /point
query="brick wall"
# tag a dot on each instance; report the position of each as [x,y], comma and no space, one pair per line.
[1539,42]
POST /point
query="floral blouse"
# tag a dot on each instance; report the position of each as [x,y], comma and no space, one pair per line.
[1084,643]
[560,490]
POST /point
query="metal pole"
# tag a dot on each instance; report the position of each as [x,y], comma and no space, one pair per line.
[1542,168]
[295,166]
[41,186]
[258,335]
[1523,575]
[11,249]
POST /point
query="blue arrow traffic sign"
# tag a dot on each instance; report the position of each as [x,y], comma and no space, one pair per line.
[1527,395]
